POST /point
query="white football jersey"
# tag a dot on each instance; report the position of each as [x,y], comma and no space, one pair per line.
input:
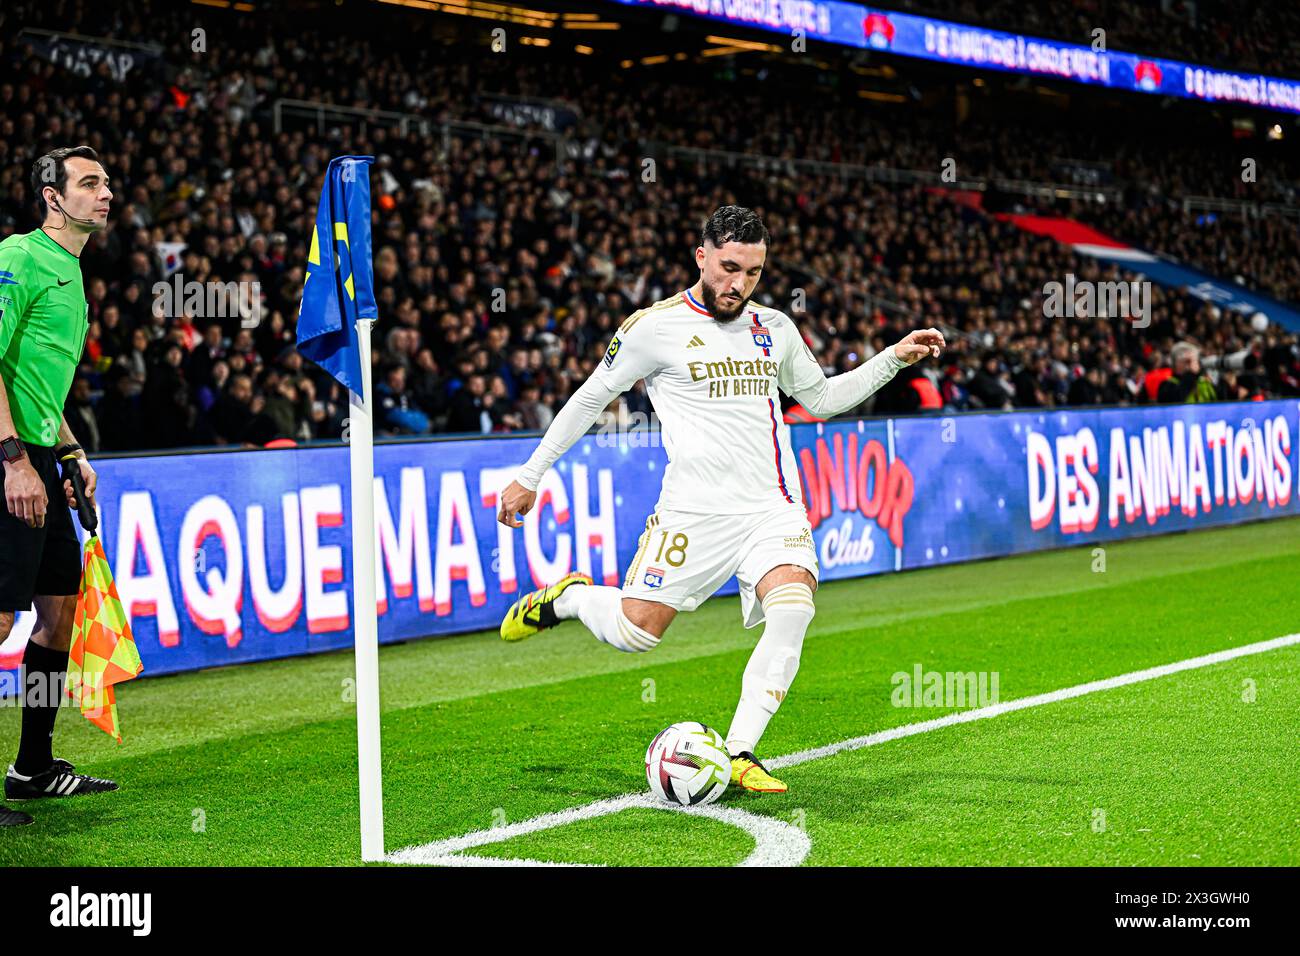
[714,386]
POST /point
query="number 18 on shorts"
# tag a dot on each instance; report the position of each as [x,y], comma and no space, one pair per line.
[684,558]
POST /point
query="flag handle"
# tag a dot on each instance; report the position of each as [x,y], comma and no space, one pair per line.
[72,472]
[361,458]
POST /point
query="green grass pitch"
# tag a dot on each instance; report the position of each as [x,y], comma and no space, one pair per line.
[256,764]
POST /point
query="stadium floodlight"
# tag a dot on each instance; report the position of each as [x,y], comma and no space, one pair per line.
[334,323]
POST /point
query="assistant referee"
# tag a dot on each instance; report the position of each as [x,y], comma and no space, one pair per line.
[42,334]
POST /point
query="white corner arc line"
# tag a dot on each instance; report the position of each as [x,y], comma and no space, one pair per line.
[452,859]
[778,843]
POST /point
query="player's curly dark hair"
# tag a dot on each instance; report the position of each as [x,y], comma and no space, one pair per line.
[52,170]
[734,224]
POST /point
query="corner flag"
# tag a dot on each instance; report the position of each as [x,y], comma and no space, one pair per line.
[103,652]
[334,322]
[339,288]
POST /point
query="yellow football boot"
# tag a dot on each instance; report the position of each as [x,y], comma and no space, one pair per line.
[748,774]
[536,611]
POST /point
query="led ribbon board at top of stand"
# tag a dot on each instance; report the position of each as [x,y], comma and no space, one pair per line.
[855,25]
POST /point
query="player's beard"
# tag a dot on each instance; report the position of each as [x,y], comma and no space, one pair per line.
[719,311]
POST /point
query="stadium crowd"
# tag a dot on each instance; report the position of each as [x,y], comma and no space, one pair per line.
[501,273]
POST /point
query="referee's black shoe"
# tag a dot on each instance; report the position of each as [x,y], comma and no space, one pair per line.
[13,818]
[59,781]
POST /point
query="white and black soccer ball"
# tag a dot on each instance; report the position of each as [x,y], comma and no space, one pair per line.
[688,764]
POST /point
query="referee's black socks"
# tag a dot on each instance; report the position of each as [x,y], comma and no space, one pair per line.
[44,671]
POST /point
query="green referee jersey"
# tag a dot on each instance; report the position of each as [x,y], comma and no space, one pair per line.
[42,331]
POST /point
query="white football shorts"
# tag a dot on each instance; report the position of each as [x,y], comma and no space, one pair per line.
[681,559]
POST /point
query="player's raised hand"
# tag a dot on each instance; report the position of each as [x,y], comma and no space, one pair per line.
[516,499]
[918,344]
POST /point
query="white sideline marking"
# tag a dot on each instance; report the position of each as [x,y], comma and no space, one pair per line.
[777,843]
[1020,703]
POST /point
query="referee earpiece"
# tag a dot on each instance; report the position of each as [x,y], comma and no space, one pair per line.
[67,215]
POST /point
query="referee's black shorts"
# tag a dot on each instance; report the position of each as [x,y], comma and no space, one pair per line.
[45,560]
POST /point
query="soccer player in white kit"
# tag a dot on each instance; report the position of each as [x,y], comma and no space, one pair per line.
[730,503]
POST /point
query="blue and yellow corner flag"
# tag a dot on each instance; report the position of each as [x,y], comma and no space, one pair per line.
[339,288]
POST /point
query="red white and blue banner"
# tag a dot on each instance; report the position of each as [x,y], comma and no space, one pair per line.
[225,557]
[855,25]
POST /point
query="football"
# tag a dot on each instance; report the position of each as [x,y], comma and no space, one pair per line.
[688,764]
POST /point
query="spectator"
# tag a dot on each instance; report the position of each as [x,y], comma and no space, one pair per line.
[990,387]
[1086,390]
[135,361]
[233,412]
[119,413]
[79,412]
[287,408]
[168,414]
[207,393]
[1187,383]
[534,414]
[469,410]
[210,350]
[426,384]
[398,411]
[500,409]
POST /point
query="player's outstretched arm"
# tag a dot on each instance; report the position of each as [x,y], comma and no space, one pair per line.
[570,423]
[628,358]
[826,397]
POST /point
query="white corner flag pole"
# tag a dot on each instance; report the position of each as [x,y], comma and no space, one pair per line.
[361,455]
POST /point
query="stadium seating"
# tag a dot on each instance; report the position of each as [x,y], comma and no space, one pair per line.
[574,236]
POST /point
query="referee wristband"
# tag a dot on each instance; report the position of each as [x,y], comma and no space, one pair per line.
[12,449]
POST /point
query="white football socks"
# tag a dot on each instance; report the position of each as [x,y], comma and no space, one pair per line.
[600,608]
[789,610]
